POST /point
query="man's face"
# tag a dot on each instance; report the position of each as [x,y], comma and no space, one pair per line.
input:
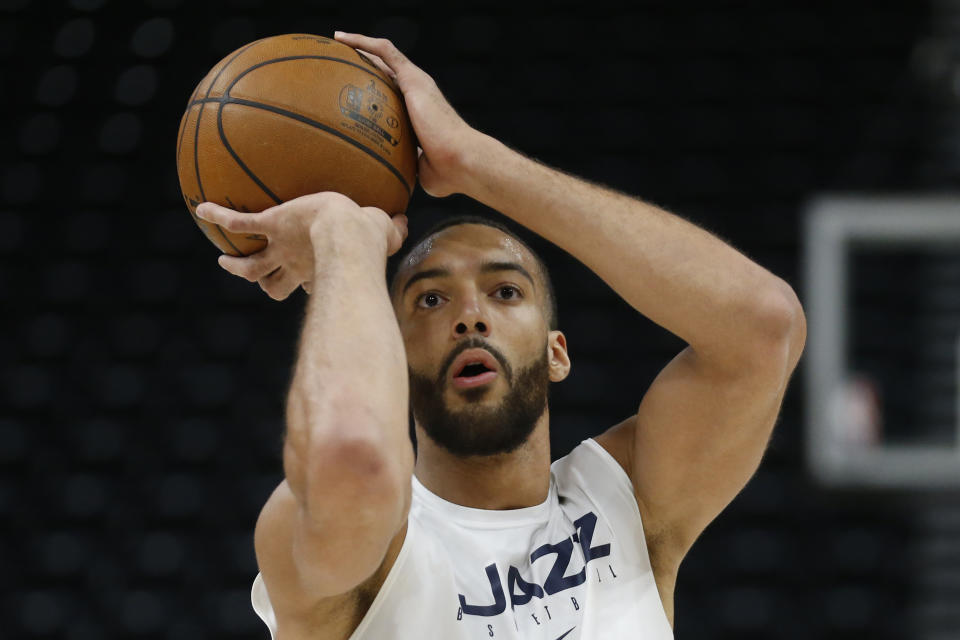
[473,294]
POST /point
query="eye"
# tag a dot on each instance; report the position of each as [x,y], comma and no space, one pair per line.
[428,300]
[509,292]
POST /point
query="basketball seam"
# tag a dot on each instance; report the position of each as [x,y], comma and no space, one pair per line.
[183,130]
[227,98]
[196,138]
[300,118]
[246,169]
[311,57]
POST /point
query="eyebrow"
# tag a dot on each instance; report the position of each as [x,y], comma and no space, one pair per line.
[486,267]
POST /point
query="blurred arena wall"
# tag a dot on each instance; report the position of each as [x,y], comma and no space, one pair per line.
[141,387]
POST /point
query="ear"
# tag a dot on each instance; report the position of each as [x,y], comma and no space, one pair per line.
[557,355]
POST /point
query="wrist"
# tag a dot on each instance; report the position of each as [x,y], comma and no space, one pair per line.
[335,235]
[479,156]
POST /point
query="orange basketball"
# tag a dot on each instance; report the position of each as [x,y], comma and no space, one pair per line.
[290,115]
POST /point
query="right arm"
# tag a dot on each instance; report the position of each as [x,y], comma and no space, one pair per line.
[347,455]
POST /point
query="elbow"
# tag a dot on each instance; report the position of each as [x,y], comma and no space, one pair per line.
[782,322]
[344,449]
[351,472]
[363,455]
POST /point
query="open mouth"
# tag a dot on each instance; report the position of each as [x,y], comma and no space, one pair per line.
[473,372]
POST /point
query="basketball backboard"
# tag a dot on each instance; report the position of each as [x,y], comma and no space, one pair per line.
[883,343]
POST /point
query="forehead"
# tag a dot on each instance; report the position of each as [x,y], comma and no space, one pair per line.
[465,246]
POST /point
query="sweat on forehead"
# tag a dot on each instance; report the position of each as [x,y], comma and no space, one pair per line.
[469,234]
[442,251]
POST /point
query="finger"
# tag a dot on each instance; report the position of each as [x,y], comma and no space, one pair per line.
[231,220]
[376,61]
[398,234]
[381,47]
[379,214]
[279,284]
[401,222]
[252,267]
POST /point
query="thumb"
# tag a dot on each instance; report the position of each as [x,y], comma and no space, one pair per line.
[431,183]
[400,221]
[398,234]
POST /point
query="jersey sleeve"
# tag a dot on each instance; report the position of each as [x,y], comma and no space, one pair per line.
[591,471]
[261,604]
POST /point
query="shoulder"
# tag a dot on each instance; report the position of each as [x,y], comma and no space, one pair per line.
[337,616]
[618,442]
[273,542]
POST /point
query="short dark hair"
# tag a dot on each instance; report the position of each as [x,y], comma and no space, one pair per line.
[393,265]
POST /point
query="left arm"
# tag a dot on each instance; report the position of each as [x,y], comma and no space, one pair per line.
[704,423]
[702,426]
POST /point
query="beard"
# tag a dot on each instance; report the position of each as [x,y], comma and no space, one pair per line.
[478,430]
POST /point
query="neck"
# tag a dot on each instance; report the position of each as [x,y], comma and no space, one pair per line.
[504,481]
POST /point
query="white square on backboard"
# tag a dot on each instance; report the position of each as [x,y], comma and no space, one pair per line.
[842,445]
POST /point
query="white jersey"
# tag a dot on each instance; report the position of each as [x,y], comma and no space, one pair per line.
[575,567]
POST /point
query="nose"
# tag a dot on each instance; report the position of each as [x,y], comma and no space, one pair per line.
[471,320]
[480,326]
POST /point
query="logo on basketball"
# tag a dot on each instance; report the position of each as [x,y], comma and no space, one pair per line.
[316,39]
[369,109]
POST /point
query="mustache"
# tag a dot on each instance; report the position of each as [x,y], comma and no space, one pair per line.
[476,343]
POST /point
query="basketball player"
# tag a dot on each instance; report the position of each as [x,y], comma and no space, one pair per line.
[478,536]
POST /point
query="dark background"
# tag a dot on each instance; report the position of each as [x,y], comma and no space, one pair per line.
[142,386]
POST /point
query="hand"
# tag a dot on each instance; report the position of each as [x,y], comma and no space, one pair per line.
[445,138]
[288,261]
